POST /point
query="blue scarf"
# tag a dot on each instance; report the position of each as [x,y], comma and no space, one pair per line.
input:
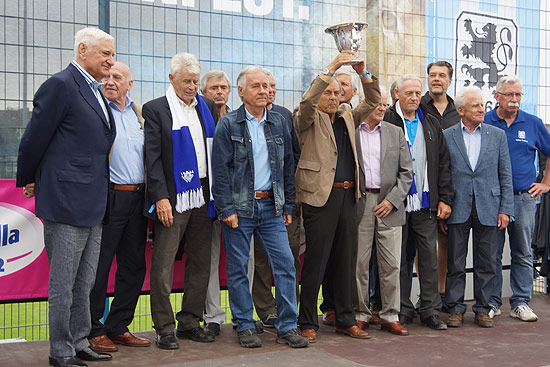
[186,172]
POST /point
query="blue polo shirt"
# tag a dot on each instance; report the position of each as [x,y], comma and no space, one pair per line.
[526,135]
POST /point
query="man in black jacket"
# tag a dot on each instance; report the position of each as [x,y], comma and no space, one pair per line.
[428,200]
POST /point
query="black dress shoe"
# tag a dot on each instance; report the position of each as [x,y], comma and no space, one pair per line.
[213,328]
[404,319]
[196,334]
[88,354]
[66,362]
[433,322]
[167,341]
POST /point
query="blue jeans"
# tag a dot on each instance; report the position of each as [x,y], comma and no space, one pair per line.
[270,230]
[520,233]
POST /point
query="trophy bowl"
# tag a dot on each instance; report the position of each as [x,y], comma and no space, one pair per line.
[347,36]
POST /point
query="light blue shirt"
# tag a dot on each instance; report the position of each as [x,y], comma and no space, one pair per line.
[94,86]
[126,165]
[472,141]
[262,169]
[411,127]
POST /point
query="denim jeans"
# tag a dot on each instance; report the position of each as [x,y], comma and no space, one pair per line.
[520,233]
[271,232]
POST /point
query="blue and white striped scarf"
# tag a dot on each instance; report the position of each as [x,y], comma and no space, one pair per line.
[416,202]
[186,170]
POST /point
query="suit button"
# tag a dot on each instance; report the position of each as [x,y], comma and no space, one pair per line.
[107,134]
[334,169]
[335,153]
[106,176]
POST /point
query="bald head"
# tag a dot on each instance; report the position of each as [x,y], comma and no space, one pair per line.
[117,85]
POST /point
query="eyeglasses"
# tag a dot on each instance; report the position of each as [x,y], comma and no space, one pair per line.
[385,105]
[510,95]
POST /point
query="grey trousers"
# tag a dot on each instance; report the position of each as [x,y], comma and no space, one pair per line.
[197,227]
[421,229]
[73,253]
[388,248]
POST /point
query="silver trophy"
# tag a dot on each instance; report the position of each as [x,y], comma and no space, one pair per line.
[347,36]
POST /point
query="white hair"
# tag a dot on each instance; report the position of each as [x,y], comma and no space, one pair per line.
[507,79]
[89,37]
[213,74]
[241,79]
[353,75]
[403,78]
[187,61]
[460,98]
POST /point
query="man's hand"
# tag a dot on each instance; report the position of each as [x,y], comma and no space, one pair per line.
[442,226]
[503,221]
[164,212]
[288,219]
[537,189]
[232,221]
[383,209]
[28,190]
[443,210]
[343,58]
[358,64]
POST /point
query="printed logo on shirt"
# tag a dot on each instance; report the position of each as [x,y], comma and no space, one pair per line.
[521,136]
[187,175]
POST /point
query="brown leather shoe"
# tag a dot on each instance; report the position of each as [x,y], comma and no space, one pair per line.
[455,319]
[374,320]
[130,340]
[309,334]
[363,325]
[395,328]
[329,318]
[484,320]
[354,332]
[102,343]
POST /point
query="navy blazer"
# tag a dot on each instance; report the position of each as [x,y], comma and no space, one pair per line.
[490,181]
[64,151]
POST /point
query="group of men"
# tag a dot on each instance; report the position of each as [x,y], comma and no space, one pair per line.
[360,178]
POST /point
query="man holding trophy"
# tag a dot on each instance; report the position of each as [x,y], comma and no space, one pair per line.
[327,185]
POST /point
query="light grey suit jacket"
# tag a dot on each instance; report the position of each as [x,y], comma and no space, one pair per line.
[490,181]
[395,172]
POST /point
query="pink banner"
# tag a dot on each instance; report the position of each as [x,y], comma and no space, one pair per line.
[24,266]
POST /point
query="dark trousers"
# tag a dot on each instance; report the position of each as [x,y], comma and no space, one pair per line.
[421,227]
[124,236]
[197,227]
[263,299]
[484,247]
[331,237]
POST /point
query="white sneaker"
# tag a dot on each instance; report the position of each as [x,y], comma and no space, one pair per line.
[524,313]
[494,312]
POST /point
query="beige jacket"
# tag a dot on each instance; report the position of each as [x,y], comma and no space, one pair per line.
[317,165]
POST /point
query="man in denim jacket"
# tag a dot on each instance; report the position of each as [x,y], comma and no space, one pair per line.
[253,169]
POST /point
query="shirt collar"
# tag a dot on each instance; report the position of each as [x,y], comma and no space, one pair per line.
[365,127]
[250,117]
[129,103]
[193,104]
[464,128]
[89,79]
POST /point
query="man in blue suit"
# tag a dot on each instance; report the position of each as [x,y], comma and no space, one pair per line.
[482,183]
[63,160]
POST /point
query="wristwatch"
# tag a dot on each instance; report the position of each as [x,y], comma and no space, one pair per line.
[327,72]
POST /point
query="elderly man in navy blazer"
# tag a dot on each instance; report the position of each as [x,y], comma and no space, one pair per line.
[63,160]
[482,184]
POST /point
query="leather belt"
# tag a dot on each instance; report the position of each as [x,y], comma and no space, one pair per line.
[139,187]
[374,191]
[521,192]
[344,185]
[203,180]
[263,194]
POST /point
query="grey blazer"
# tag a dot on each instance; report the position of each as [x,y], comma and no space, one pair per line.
[490,181]
[396,172]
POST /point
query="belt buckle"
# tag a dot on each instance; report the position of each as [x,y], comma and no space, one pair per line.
[346,183]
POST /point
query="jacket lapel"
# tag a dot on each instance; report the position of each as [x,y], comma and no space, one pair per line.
[88,95]
[485,138]
[359,151]
[383,139]
[459,140]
